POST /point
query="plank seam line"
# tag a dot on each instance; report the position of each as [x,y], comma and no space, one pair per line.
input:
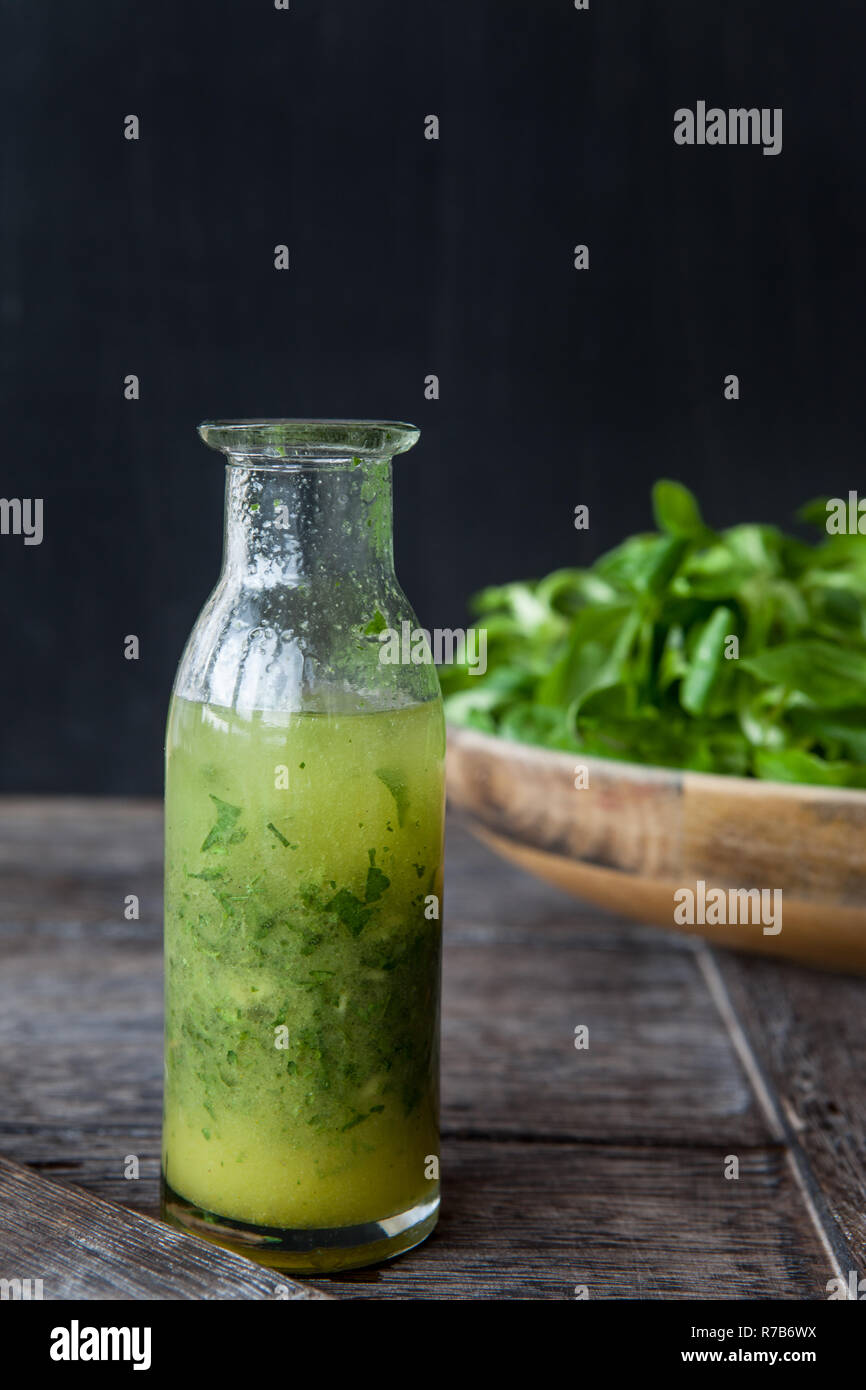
[582,1141]
[832,1240]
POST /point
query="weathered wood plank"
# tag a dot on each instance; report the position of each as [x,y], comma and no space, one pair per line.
[533,1221]
[659,1064]
[83,1247]
[526,964]
[556,1160]
[808,1032]
[92,1159]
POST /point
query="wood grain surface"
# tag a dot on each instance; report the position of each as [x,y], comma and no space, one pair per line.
[600,1169]
[83,1247]
[632,836]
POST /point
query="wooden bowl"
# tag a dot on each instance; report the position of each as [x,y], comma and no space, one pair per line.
[635,836]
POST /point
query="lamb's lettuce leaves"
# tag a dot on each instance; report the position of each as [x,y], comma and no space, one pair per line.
[740,651]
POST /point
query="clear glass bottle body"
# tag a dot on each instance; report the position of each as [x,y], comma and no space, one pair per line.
[304,821]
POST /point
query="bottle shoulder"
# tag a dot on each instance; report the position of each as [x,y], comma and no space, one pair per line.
[306,647]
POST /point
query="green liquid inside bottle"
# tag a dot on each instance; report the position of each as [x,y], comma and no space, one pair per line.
[303,936]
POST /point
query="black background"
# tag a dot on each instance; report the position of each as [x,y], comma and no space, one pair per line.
[408,257]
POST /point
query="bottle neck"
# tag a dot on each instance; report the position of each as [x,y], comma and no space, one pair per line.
[300,525]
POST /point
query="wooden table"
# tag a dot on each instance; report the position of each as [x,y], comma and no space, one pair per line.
[564,1169]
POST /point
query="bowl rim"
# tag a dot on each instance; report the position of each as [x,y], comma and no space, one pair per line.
[653,773]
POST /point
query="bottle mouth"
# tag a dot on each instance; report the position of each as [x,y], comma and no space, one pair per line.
[284,443]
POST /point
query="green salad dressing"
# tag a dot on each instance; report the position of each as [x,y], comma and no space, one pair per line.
[303,902]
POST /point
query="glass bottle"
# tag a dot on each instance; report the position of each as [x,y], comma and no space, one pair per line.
[304,822]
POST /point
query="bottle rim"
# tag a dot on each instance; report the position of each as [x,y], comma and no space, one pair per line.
[286,441]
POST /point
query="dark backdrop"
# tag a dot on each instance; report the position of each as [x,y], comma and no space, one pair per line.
[408,257]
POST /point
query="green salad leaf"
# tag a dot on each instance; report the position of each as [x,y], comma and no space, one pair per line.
[740,651]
